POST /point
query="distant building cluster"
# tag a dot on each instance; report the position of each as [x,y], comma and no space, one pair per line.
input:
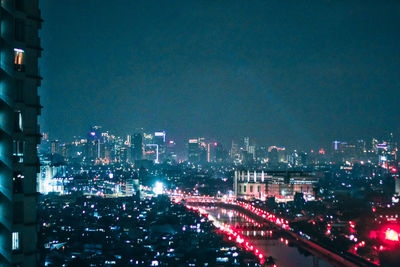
[384,153]
[144,149]
[100,147]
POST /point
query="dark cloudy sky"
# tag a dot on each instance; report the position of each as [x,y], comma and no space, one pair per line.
[282,71]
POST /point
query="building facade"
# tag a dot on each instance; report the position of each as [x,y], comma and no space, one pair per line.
[282,185]
[20,106]
[193,150]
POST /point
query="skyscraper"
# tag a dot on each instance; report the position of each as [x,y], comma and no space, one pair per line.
[19,80]
[246,143]
[172,150]
[193,150]
[137,146]
[159,139]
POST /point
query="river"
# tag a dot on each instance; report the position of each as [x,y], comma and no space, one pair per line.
[269,242]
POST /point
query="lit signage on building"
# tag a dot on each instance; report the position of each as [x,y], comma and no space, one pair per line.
[159,134]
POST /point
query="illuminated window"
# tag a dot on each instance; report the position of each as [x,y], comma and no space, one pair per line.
[18,121]
[15,241]
[18,151]
[19,56]
[19,59]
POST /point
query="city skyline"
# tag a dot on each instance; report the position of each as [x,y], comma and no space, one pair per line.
[200,133]
[227,143]
[102,146]
[224,70]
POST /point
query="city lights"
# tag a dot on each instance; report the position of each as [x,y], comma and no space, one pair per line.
[158,188]
[188,133]
[391,235]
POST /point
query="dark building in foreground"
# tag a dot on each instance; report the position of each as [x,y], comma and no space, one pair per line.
[19,130]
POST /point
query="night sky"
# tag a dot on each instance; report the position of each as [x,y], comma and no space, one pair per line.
[294,73]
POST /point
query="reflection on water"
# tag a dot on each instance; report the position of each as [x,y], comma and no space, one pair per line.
[270,242]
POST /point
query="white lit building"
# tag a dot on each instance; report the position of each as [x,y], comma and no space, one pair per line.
[279,184]
[51,178]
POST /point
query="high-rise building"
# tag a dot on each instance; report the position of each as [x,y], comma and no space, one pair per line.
[93,151]
[202,150]
[193,150]
[246,143]
[55,147]
[20,107]
[252,151]
[235,152]
[172,153]
[197,150]
[273,156]
[137,146]
[211,151]
[159,139]
[151,152]
[220,153]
